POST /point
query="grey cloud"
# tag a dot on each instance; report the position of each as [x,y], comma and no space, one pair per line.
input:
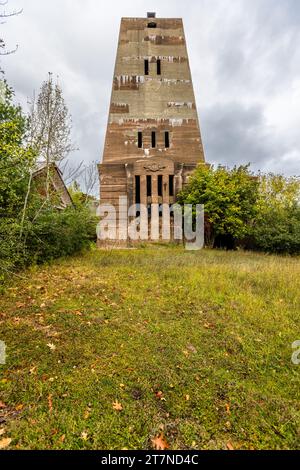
[238,135]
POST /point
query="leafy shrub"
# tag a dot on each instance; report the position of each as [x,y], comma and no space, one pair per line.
[60,233]
[276,228]
[279,232]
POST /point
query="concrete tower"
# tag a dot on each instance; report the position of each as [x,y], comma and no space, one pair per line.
[153,140]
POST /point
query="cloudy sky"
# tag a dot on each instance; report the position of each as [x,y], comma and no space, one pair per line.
[245,60]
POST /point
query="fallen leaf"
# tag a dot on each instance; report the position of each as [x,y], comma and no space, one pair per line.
[51,346]
[32,371]
[84,436]
[229,446]
[192,348]
[50,404]
[160,443]
[20,305]
[2,405]
[117,406]
[43,306]
[2,431]
[63,438]
[187,397]
[228,408]
[4,443]
[159,395]
[19,407]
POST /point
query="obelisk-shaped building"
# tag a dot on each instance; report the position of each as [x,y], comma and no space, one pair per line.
[153,140]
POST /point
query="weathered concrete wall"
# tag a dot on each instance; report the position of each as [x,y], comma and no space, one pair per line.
[144,103]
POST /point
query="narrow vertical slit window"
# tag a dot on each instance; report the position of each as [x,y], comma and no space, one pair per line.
[160,186]
[149,186]
[171,186]
[137,189]
[146,67]
[158,67]
[140,140]
[167,140]
[153,140]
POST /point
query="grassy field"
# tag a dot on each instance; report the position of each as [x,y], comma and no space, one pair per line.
[111,350]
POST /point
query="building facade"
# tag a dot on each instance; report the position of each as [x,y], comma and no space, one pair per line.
[153,141]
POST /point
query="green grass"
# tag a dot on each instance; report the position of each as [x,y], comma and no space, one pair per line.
[210,330]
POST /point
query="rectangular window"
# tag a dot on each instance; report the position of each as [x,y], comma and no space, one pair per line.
[149,186]
[167,140]
[146,67]
[158,67]
[153,140]
[137,189]
[171,186]
[140,140]
[160,186]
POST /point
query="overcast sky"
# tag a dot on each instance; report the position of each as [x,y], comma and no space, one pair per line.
[244,55]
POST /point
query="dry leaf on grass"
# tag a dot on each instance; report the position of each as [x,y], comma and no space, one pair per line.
[50,404]
[229,446]
[117,406]
[160,443]
[51,346]
[84,436]
[19,407]
[159,395]
[2,405]
[2,431]
[4,443]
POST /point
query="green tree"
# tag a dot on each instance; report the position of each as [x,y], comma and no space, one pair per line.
[16,158]
[276,228]
[229,199]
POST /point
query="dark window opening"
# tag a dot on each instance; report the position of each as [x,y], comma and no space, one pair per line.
[137,189]
[171,186]
[153,140]
[152,25]
[149,186]
[158,67]
[160,186]
[167,140]
[146,67]
[151,14]
[140,140]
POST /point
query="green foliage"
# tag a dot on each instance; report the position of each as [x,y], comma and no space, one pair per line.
[276,228]
[16,159]
[229,198]
[45,233]
[261,213]
[56,234]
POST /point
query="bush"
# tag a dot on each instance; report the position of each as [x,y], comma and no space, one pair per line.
[276,227]
[52,235]
[278,232]
[56,234]
[11,247]
[228,196]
